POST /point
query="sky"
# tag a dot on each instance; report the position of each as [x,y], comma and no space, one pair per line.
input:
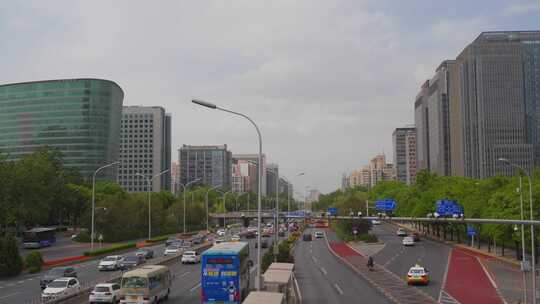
[327,81]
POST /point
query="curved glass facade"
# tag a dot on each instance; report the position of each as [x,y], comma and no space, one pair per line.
[79,117]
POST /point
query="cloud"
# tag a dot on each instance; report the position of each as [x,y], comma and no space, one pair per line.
[521,8]
[327,81]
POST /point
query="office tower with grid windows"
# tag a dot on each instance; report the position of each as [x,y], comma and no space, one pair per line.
[145,148]
[211,164]
[404,146]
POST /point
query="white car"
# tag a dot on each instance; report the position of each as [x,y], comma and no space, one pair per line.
[173,249]
[218,241]
[221,232]
[111,262]
[235,238]
[190,257]
[408,241]
[319,234]
[401,232]
[59,288]
[376,222]
[105,293]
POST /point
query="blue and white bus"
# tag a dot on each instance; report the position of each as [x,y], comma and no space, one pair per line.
[225,273]
[39,237]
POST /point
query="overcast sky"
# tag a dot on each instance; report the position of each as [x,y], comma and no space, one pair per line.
[327,81]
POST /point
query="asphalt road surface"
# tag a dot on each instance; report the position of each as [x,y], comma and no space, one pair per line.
[323,278]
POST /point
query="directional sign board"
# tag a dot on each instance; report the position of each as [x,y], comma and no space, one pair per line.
[332,211]
[386,205]
[471,231]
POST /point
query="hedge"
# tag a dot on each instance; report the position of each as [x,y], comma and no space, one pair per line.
[34,261]
[160,238]
[110,249]
[11,263]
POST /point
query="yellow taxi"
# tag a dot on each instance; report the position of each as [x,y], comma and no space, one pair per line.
[417,275]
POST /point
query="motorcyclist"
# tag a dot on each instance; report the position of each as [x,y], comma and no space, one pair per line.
[370,263]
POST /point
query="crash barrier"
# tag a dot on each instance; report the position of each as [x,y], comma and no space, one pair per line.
[279,278]
[56,262]
[81,295]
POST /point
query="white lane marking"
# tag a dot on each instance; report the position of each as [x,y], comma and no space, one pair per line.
[12,284]
[20,282]
[323,270]
[338,289]
[9,295]
[443,285]
[314,259]
[184,274]
[195,287]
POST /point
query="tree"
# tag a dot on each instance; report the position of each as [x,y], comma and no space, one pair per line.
[10,260]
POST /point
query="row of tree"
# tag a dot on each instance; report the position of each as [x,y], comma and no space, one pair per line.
[40,191]
[495,197]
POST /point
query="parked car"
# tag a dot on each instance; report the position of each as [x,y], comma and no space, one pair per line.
[131,261]
[55,273]
[105,293]
[145,253]
[60,287]
[408,241]
[401,232]
[171,250]
[306,237]
[190,256]
[111,262]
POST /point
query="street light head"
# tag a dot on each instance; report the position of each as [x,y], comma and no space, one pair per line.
[504,160]
[301,174]
[204,103]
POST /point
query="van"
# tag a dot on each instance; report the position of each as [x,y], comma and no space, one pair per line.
[147,284]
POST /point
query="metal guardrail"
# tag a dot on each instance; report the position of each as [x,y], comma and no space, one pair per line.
[86,287]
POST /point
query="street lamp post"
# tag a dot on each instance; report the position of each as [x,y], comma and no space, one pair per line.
[533,249]
[206,203]
[94,201]
[149,185]
[184,188]
[259,253]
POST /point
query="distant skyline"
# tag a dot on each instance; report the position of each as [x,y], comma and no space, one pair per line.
[327,81]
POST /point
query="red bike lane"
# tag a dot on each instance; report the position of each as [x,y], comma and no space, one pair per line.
[467,281]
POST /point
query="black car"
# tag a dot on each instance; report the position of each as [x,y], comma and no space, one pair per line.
[145,253]
[307,237]
[171,240]
[131,261]
[264,243]
[55,273]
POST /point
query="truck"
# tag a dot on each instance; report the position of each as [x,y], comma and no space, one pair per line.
[448,208]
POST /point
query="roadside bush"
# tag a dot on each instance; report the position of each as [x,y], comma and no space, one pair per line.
[110,249]
[160,238]
[368,238]
[34,261]
[11,263]
[267,259]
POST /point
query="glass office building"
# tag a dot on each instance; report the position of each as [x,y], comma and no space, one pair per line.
[79,117]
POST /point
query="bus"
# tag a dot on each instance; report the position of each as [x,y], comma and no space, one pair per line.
[147,284]
[225,273]
[39,237]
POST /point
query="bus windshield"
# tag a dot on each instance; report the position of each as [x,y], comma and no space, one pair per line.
[134,282]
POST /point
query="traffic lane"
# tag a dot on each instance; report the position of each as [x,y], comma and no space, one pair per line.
[324,279]
[27,288]
[186,287]
[399,259]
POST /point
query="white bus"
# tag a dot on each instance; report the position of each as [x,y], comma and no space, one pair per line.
[149,284]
